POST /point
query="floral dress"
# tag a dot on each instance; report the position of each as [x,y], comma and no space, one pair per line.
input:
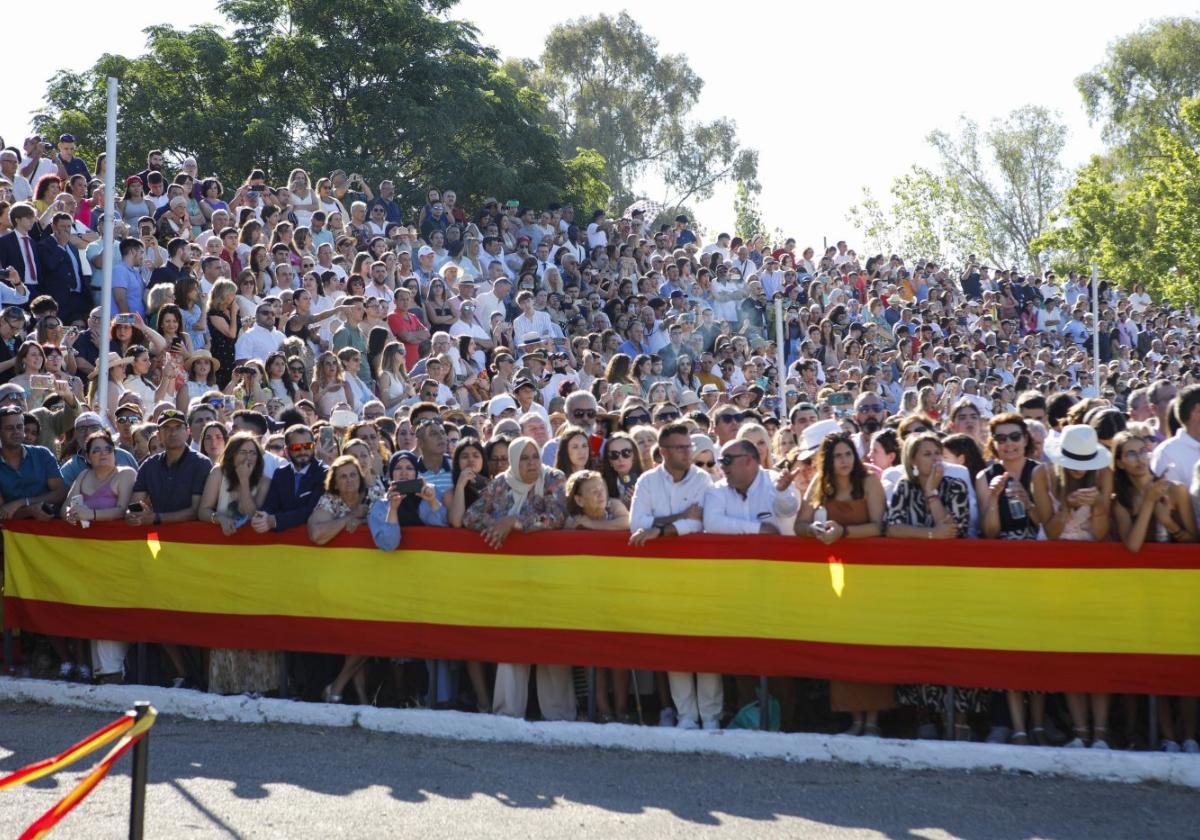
[543,512]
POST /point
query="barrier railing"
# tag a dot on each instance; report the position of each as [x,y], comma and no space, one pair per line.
[131,730]
[1048,616]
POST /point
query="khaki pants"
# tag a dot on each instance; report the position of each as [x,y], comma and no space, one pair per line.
[555,691]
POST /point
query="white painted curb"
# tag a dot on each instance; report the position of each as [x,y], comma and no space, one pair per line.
[1101,765]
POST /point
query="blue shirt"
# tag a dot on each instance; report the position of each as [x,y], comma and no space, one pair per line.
[129,279]
[77,464]
[172,486]
[30,478]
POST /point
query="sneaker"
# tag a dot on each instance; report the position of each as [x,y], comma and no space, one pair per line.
[179,682]
[64,671]
[998,735]
[687,723]
[84,673]
[1170,746]
[712,726]
[1191,747]
[1077,744]
[667,717]
[1100,744]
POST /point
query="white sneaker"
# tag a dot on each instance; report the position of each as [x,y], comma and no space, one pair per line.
[667,717]
[64,671]
[712,726]
[1170,746]
[1100,744]
[1191,747]
[84,672]
[1077,744]
[687,723]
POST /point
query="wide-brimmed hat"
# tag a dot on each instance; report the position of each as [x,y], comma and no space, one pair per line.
[114,360]
[813,436]
[202,354]
[1078,448]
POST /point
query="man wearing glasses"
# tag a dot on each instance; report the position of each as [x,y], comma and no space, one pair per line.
[295,488]
[667,503]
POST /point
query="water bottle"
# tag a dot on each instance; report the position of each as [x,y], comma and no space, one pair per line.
[1016,508]
[820,516]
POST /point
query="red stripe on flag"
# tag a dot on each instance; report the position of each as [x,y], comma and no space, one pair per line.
[1133,673]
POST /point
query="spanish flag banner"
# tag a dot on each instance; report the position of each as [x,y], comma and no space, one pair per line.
[1027,615]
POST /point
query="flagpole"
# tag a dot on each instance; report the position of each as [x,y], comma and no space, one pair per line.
[110,207]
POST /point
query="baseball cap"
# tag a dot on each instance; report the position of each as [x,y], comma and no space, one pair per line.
[500,404]
[88,418]
[66,138]
[172,415]
[424,251]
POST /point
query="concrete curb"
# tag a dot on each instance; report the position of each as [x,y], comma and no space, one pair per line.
[1100,765]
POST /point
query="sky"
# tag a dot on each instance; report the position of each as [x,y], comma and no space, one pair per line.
[834,96]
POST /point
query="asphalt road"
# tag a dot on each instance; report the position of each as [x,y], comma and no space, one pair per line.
[226,780]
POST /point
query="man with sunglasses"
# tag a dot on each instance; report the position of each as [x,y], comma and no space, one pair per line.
[751,499]
[296,486]
[580,408]
[869,414]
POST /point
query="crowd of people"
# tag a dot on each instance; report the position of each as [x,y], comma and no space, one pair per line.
[316,355]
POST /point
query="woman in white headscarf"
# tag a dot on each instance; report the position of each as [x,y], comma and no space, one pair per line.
[528,496]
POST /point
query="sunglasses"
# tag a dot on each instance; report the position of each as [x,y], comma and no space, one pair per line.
[727,460]
[872,407]
[638,418]
[101,450]
[664,416]
[705,465]
[302,447]
[276,447]
[589,413]
[731,418]
[616,455]
[127,418]
[1011,437]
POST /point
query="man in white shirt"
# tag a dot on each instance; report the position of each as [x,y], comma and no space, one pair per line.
[530,320]
[22,190]
[1176,457]
[262,339]
[493,301]
[467,325]
[597,232]
[751,499]
[667,502]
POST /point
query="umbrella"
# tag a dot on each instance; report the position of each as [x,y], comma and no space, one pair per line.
[650,208]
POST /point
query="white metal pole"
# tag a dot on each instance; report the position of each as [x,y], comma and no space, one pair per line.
[780,361]
[110,210]
[1096,328]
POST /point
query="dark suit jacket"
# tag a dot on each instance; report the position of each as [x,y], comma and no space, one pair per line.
[289,508]
[55,275]
[11,254]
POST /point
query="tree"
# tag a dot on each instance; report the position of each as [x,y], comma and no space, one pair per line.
[927,216]
[747,219]
[1140,87]
[608,89]
[1012,206]
[586,188]
[388,87]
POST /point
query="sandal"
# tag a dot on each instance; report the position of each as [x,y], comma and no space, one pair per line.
[328,696]
[1019,738]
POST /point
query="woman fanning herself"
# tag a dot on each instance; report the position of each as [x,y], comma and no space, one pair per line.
[845,499]
[1072,494]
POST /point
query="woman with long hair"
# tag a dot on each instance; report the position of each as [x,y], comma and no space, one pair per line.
[574,451]
[224,327]
[846,500]
[1072,495]
[278,379]
[621,467]
[329,384]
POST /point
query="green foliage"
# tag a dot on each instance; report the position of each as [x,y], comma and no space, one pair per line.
[1009,178]
[1138,89]
[609,89]
[926,216]
[747,217]
[387,87]
[586,188]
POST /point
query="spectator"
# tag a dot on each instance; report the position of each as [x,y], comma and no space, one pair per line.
[295,488]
